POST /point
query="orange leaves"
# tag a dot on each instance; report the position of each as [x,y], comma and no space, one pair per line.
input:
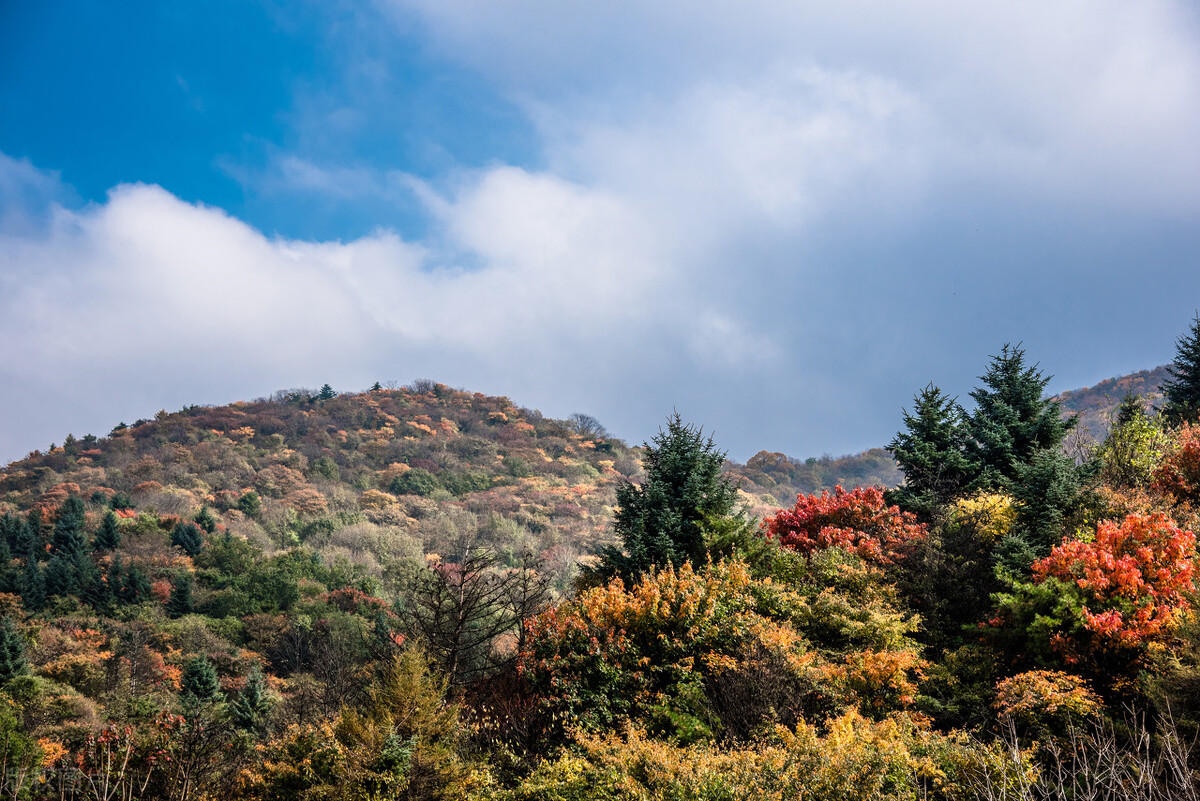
[1040,695]
[1133,576]
[1178,475]
[858,521]
[306,501]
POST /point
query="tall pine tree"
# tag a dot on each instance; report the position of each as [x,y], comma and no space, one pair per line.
[1182,389]
[932,452]
[661,522]
[1012,420]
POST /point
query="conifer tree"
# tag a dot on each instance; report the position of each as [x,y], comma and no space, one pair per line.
[249,710]
[12,651]
[326,393]
[108,537]
[68,539]
[180,602]
[187,537]
[134,586]
[932,452]
[661,522]
[33,588]
[199,682]
[205,520]
[1012,420]
[1182,389]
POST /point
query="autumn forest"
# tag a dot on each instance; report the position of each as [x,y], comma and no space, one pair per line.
[420,592]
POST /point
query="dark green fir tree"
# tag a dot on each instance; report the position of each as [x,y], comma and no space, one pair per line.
[199,683]
[932,452]
[661,522]
[108,537]
[251,708]
[188,538]
[180,602]
[1182,390]
[12,651]
[205,520]
[1013,419]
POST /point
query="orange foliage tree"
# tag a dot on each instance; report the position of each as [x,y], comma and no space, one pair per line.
[1134,576]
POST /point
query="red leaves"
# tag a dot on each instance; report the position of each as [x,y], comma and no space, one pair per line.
[858,521]
[1134,575]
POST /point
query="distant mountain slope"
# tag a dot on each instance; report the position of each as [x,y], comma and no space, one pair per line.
[1096,406]
[379,479]
[391,476]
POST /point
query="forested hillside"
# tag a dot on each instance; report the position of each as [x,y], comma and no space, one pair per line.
[428,593]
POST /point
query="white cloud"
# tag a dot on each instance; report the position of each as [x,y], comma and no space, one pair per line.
[161,301]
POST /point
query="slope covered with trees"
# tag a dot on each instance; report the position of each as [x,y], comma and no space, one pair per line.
[428,593]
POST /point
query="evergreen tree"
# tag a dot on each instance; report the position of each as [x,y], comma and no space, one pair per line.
[10,528]
[187,537]
[326,393]
[252,706]
[180,602]
[68,539]
[199,682]
[205,520]
[662,521]
[376,387]
[249,503]
[932,452]
[60,578]
[33,588]
[108,538]
[1012,420]
[134,586]
[1182,389]
[1048,492]
[12,652]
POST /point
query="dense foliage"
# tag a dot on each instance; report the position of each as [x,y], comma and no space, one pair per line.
[424,593]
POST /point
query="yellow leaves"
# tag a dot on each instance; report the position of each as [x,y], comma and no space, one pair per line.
[991,515]
[374,499]
[1045,695]
[243,434]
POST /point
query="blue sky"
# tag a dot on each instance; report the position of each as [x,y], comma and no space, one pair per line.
[781,219]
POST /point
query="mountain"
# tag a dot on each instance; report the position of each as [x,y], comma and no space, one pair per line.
[1096,406]
[376,479]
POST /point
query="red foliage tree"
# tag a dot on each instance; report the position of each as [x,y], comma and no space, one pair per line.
[858,521]
[1134,576]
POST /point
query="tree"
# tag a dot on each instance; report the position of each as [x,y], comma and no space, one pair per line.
[187,537]
[326,393]
[199,682]
[1012,420]
[1133,448]
[12,651]
[1182,389]
[205,520]
[249,710]
[180,602]
[661,522]
[457,610]
[1048,493]
[67,539]
[859,521]
[932,452]
[108,538]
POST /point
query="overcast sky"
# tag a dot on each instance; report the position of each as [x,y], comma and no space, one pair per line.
[780,218]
